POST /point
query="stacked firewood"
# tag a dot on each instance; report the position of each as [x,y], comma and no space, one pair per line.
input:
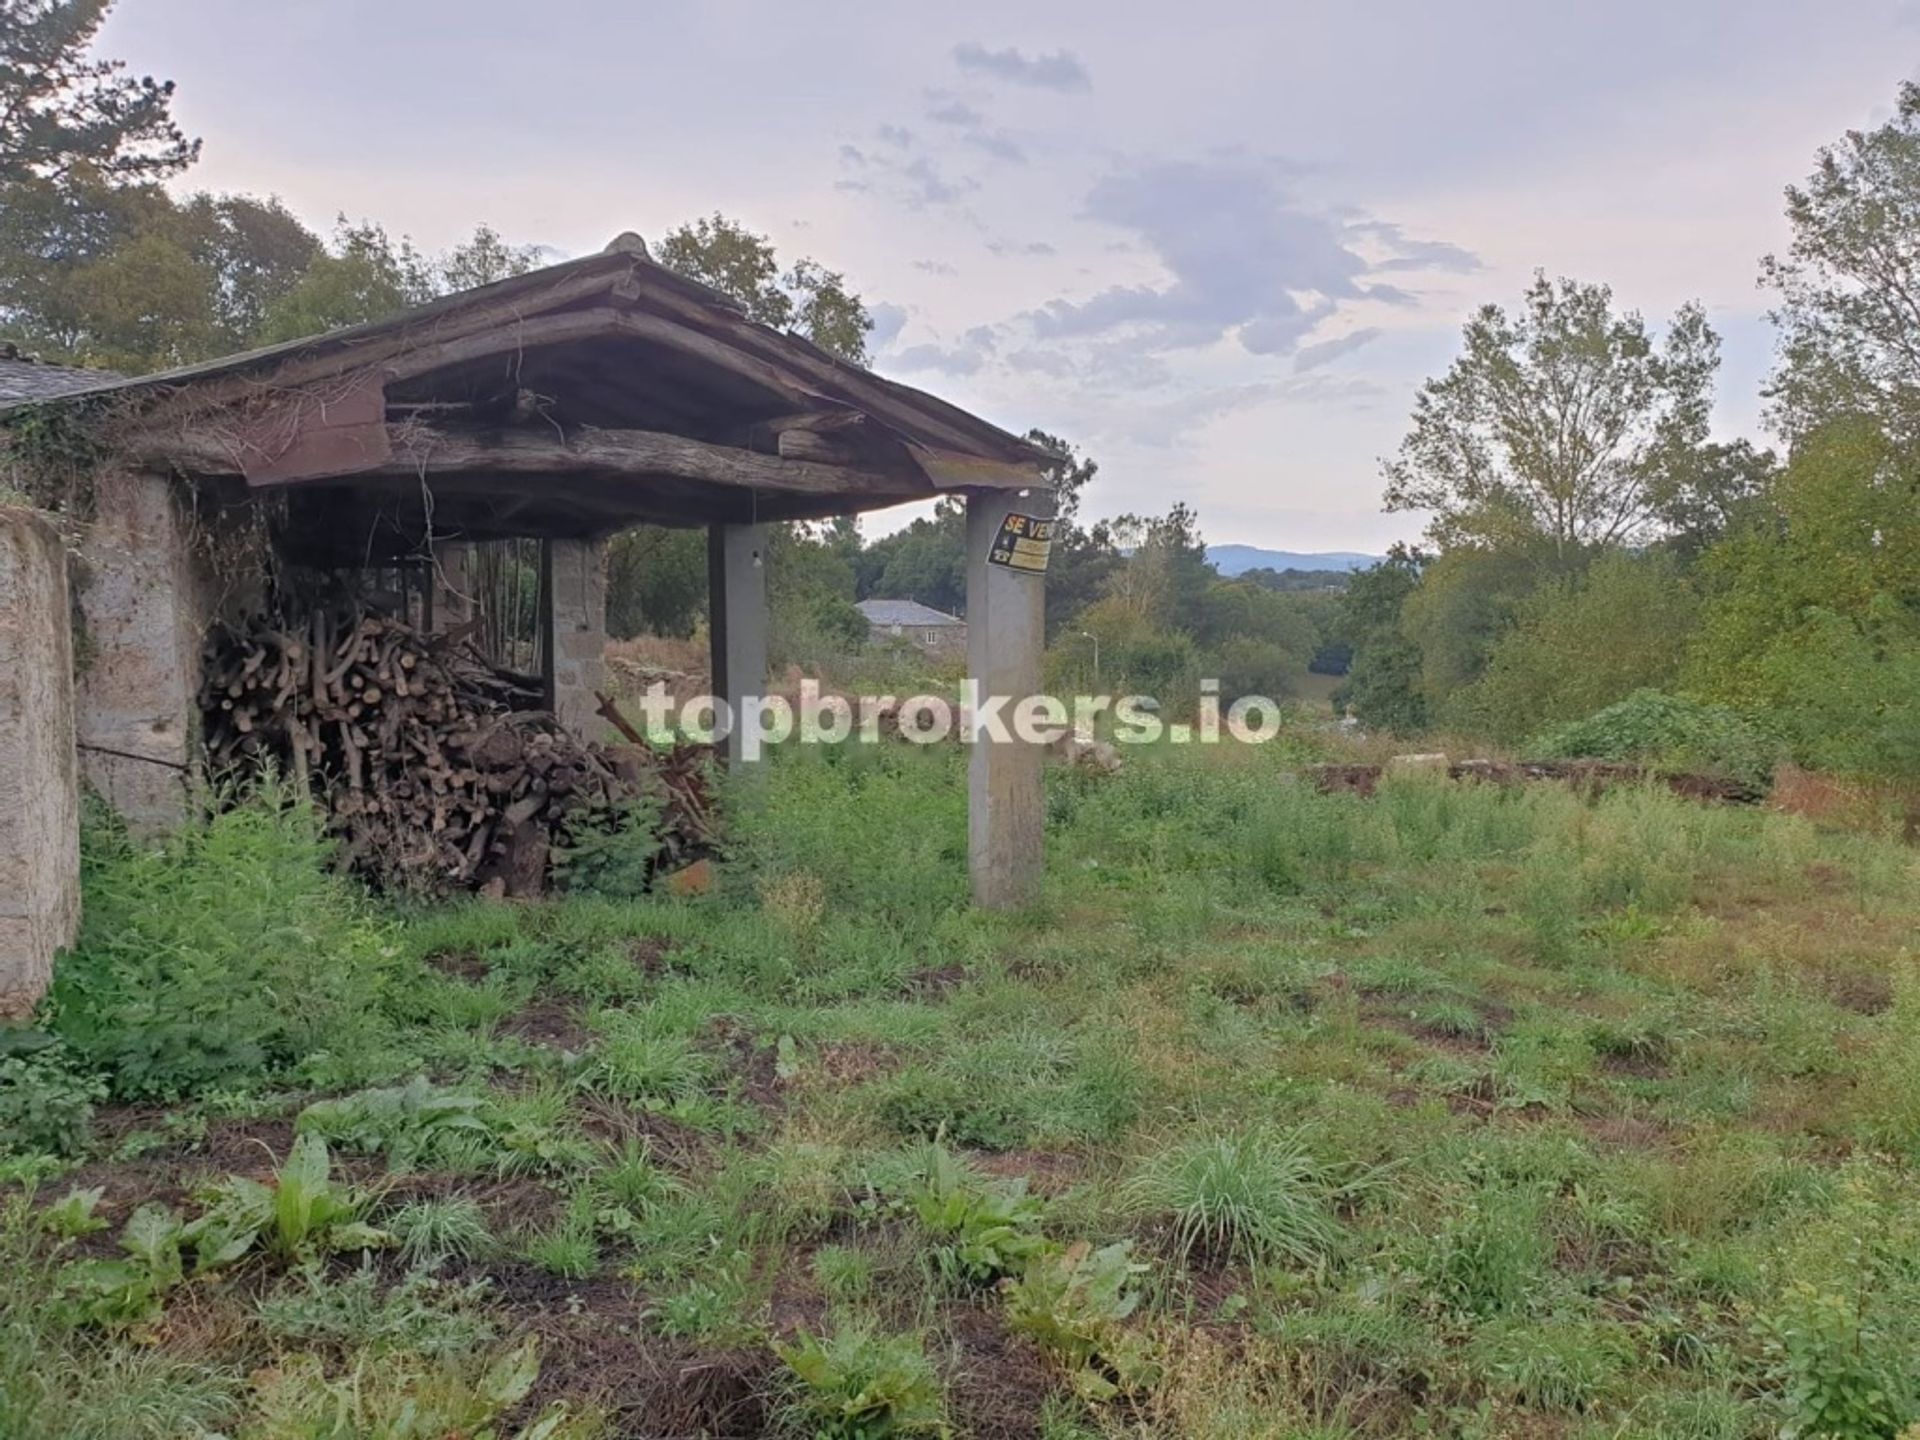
[436,769]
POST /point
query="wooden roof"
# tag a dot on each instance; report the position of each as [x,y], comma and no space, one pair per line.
[573,400]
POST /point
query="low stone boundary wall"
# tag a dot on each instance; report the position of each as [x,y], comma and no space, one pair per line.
[39,783]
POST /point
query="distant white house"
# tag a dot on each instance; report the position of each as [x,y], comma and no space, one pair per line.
[930,630]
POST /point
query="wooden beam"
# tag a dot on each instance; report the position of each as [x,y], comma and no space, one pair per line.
[634,453]
[508,341]
[414,450]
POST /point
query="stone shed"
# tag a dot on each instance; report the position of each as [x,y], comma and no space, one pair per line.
[545,412]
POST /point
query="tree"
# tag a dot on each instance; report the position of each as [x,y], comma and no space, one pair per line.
[368,276]
[365,276]
[128,278]
[1710,492]
[656,582]
[1383,677]
[1813,619]
[808,298]
[63,114]
[1556,423]
[1849,285]
[1580,644]
[1067,471]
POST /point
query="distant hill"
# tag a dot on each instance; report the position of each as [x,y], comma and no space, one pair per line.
[1238,559]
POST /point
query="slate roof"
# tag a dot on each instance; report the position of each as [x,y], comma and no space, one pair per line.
[24,378]
[904,612]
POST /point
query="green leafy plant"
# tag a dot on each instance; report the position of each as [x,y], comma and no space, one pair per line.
[1652,728]
[408,1123]
[1839,1376]
[382,1396]
[1074,1303]
[302,1214]
[72,1215]
[130,1290]
[980,1231]
[46,1108]
[856,1385]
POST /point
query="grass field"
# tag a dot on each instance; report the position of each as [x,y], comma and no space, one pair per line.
[1458,1111]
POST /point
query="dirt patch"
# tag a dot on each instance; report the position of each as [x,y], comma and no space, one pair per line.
[461,965]
[552,1023]
[595,1350]
[1047,1172]
[169,1174]
[1864,992]
[1626,1132]
[852,1062]
[997,1384]
[1633,1065]
[615,1124]
[934,981]
[756,1066]
[649,955]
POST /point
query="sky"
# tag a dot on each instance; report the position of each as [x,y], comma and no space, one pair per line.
[1218,245]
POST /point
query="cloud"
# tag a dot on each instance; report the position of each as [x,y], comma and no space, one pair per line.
[947,360]
[1325,352]
[935,267]
[1011,247]
[888,320]
[964,357]
[1245,259]
[1061,70]
[997,144]
[948,111]
[1404,253]
[896,135]
[916,183]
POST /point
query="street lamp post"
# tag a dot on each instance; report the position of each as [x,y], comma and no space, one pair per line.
[1089,635]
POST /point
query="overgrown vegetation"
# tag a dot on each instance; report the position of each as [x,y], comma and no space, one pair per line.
[1503,1112]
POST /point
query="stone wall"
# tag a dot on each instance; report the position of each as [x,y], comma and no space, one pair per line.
[579,637]
[144,602]
[39,787]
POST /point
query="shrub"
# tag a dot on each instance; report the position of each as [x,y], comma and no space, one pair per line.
[856,1385]
[229,950]
[45,1108]
[1649,727]
[1257,1198]
[612,852]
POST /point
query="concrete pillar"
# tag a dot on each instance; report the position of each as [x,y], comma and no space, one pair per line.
[577,633]
[39,781]
[144,601]
[737,617]
[1006,635]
